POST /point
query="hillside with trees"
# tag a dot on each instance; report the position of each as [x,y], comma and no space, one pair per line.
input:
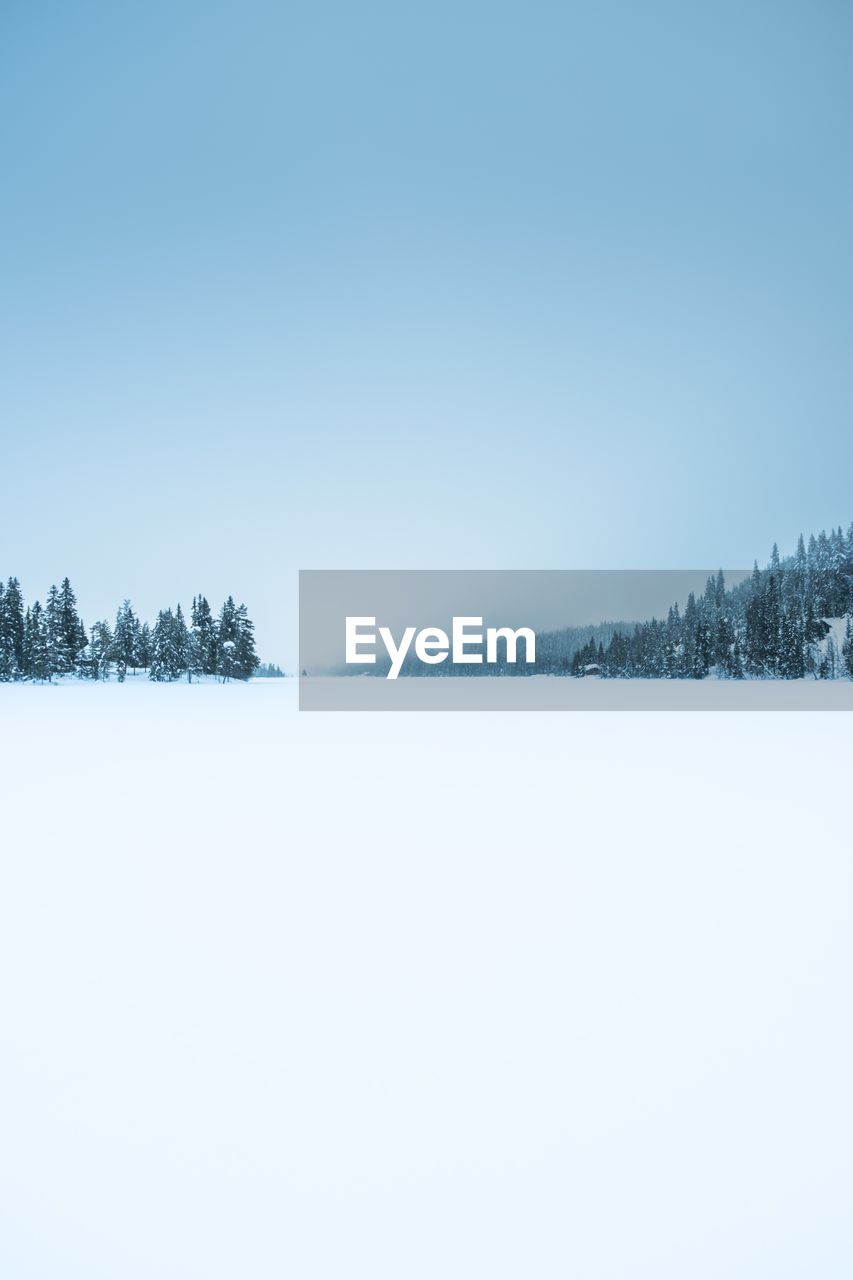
[789,620]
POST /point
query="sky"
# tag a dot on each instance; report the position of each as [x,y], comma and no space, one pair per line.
[292,286]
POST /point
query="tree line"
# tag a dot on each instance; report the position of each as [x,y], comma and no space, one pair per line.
[40,643]
[773,625]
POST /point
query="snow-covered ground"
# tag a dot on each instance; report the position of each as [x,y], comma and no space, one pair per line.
[420,996]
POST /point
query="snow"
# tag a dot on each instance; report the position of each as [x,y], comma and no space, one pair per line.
[568,694]
[837,632]
[460,995]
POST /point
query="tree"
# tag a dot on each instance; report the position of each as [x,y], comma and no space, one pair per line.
[71,629]
[59,657]
[100,652]
[37,645]
[7,666]
[181,642]
[246,658]
[792,645]
[12,663]
[227,635]
[203,639]
[847,647]
[237,659]
[145,646]
[168,646]
[126,641]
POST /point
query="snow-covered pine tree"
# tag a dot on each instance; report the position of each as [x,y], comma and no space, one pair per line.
[165,658]
[11,631]
[161,666]
[690,630]
[828,665]
[181,643]
[246,657]
[195,647]
[59,661]
[772,624]
[37,644]
[145,646]
[847,647]
[226,641]
[815,631]
[754,638]
[100,651]
[6,661]
[792,644]
[125,641]
[73,634]
[203,638]
[235,643]
[27,656]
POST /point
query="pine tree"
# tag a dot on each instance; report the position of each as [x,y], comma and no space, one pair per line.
[792,645]
[227,637]
[37,644]
[772,624]
[203,638]
[73,635]
[145,646]
[165,648]
[847,648]
[100,651]
[12,661]
[6,658]
[59,660]
[125,641]
[246,658]
[181,643]
[26,666]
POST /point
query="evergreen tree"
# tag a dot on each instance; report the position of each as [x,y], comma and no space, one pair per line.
[792,645]
[772,624]
[246,658]
[847,648]
[73,635]
[37,644]
[181,642]
[227,637]
[100,651]
[125,641]
[59,656]
[165,648]
[203,656]
[7,666]
[145,646]
[12,661]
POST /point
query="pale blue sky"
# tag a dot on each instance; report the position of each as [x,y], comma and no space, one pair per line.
[468,285]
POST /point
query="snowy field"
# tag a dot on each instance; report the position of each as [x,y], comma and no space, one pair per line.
[421,996]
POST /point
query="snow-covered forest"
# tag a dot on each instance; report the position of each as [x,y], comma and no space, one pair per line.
[789,620]
[792,619]
[42,643]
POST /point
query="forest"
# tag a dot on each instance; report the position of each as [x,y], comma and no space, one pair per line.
[46,642]
[789,620]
